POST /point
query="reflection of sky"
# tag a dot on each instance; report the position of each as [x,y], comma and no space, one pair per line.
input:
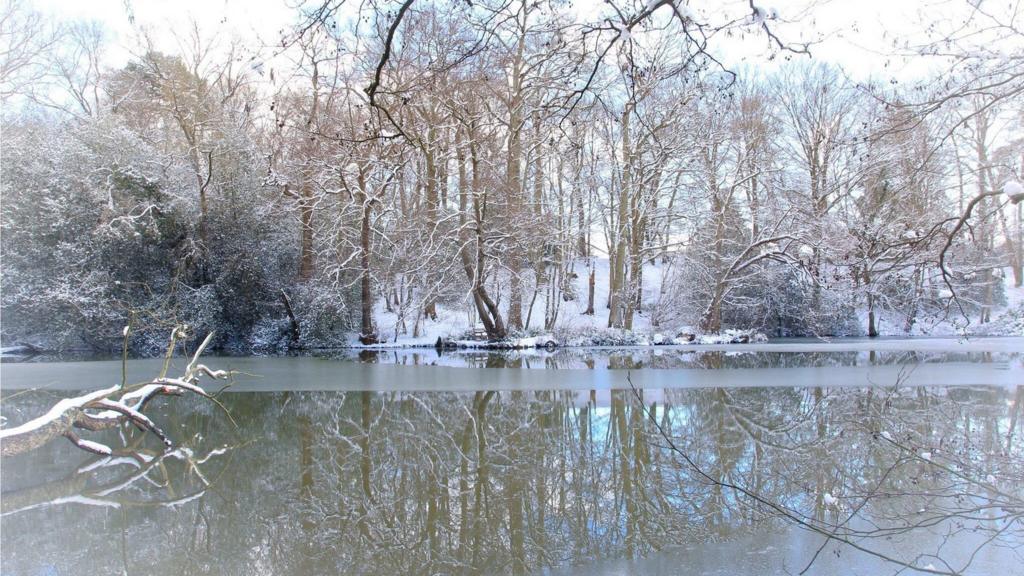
[254,510]
[564,370]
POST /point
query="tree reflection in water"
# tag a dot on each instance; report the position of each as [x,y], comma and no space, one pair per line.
[520,481]
[658,357]
[525,481]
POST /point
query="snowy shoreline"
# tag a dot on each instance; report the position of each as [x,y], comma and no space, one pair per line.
[839,344]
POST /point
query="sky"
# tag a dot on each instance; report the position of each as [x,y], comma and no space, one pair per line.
[248,19]
[856,32]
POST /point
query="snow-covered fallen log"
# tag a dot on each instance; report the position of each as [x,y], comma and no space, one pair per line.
[544,341]
[107,408]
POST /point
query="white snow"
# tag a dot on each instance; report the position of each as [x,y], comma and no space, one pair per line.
[215,452]
[624,32]
[109,461]
[759,15]
[886,435]
[453,322]
[85,500]
[926,456]
[1013,188]
[184,499]
[182,453]
[76,499]
[575,328]
[990,479]
[830,500]
[56,412]
[94,446]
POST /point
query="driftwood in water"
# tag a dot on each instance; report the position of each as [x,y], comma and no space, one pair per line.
[107,408]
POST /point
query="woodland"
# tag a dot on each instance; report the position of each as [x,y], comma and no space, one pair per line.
[392,172]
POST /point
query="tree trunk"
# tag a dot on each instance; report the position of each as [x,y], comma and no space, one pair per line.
[368,334]
[872,328]
[711,320]
[616,281]
[295,333]
[306,256]
[513,176]
[590,293]
[1018,268]
[430,188]
[984,234]
[486,309]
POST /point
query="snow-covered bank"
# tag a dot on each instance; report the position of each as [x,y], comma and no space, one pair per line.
[573,326]
[1008,344]
[652,325]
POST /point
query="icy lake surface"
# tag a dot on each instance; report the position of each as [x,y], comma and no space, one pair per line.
[692,460]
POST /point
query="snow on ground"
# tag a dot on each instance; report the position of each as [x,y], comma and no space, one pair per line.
[573,327]
[455,322]
[1007,320]
[1014,295]
[450,323]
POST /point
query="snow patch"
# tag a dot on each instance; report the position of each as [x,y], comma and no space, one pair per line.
[56,412]
[1013,190]
[94,447]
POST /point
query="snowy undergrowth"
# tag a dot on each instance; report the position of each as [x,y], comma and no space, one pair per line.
[573,327]
[1007,320]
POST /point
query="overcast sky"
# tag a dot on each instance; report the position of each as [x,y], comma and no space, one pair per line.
[859,34]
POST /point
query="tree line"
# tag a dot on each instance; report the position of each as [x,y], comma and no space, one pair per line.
[500,162]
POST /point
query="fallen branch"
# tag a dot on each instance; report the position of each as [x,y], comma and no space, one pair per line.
[108,408]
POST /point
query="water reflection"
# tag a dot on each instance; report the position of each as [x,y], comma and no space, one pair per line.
[527,481]
[659,358]
[634,358]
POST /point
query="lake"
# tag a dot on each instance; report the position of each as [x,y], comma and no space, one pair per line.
[850,457]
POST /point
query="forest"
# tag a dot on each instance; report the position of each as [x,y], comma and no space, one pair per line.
[392,172]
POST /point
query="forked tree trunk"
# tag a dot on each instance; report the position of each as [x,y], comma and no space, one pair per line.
[487,310]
